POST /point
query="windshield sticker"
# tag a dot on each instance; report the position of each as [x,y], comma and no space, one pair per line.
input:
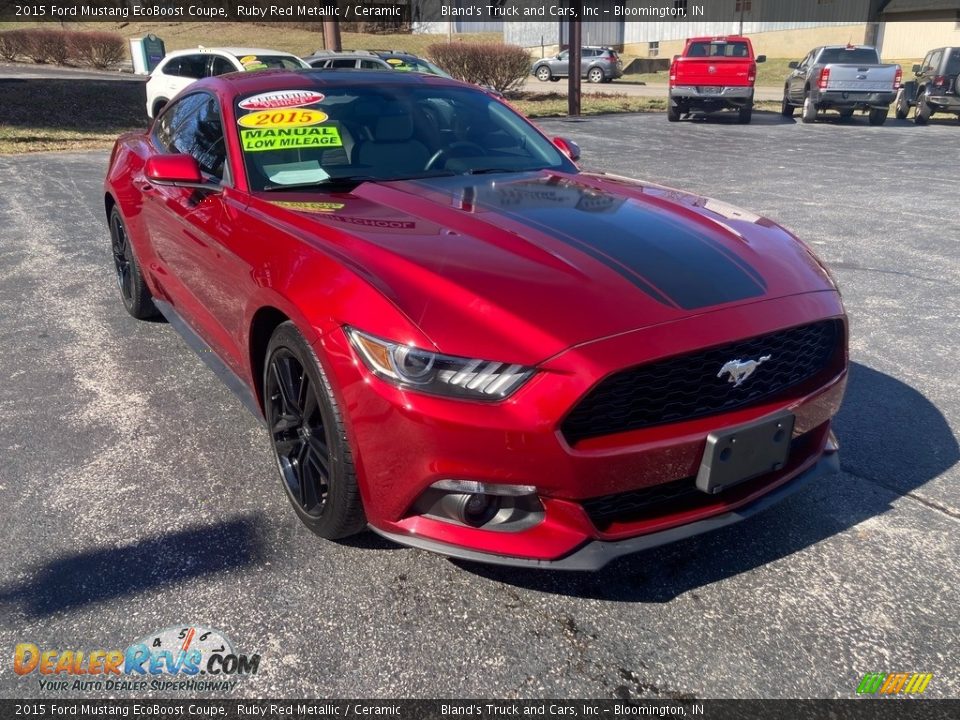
[294,173]
[280,138]
[282,118]
[280,99]
[252,62]
[311,207]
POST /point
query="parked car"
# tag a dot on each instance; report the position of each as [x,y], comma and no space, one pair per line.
[459,339]
[399,60]
[597,65]
[361,60]
[373,60]
[713,73]
[181,68]
[843,78]
[935,89]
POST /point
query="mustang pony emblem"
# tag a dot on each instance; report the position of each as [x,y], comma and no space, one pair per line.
[740,371]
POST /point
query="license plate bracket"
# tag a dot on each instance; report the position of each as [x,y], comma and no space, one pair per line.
[742,453]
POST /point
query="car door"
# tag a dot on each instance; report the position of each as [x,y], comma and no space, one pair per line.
[219,65]
[798,78]
[561,65]
[587,56]
[189,227]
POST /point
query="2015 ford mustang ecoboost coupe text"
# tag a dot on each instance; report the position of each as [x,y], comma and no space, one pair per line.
[462,341]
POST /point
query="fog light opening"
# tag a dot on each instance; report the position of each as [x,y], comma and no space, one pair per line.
[478,509]
[479,505]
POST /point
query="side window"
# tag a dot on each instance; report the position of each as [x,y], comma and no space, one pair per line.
[172,67]
[173,117]
[220,66]
[370,65]
[200,134]
[935,57]
[343,63]
[193,66]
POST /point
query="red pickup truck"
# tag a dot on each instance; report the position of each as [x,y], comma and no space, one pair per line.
[713,73]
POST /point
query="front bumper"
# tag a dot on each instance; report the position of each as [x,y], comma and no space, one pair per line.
[595,554]
[403,442]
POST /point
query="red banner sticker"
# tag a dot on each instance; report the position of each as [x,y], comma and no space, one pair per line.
[281,99]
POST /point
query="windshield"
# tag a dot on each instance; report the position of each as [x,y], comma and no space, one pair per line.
[852,56]
[718,49]
[304,137]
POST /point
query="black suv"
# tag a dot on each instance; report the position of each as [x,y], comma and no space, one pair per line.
[936,89]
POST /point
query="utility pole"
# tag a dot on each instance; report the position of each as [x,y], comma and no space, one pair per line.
[573,74]
[331,35]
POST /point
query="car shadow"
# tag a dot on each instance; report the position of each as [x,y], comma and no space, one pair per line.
[103,574]
[889,433]
[727,117]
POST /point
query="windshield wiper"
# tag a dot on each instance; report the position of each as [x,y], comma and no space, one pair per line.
[358,179]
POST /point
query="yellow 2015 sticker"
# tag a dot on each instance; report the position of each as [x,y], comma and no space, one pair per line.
[282,138]
[395,61]
[282,118]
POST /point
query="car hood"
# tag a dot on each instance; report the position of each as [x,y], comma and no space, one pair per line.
[520,267]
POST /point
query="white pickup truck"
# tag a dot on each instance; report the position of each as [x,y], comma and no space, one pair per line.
[843,78]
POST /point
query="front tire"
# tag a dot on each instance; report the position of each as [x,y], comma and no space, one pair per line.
[544,74]
[134,292]
[809,112]
[902,106]
[595,75]
[786,109]
[921,116]
[309,438]
[878,116]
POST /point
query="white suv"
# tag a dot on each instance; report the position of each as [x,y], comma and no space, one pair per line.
[178,69]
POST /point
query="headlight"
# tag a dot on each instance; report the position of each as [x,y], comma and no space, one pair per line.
[430,372]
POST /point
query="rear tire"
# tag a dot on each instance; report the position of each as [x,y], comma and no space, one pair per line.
[673,112]
[921,116]
[595,75]
[745,113]
[878,116]
[309,439]
[902,106]
[809,112]
[786,109]
[134,292]
[544,74]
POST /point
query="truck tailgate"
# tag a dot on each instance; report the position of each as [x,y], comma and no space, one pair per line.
[861,78]
[729,72]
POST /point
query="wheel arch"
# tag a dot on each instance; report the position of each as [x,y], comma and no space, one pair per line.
[262,326]
[109,203]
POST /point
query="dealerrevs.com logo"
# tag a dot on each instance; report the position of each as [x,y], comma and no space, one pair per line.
[190,658]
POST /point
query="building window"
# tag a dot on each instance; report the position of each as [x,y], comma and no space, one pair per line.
[744,5]
[653,49]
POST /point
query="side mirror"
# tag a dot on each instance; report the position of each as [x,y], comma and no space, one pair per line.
[793,65]
[567,147]
[179,170]
[917,69]
[761,58]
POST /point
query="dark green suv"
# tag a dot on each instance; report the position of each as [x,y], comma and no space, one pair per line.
[936,88]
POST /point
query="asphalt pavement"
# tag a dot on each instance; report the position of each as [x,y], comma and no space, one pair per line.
[138,494]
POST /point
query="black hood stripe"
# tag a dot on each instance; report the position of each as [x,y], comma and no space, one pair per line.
[665,258]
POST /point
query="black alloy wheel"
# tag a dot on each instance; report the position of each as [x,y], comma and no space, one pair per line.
[308,437]
[134,292]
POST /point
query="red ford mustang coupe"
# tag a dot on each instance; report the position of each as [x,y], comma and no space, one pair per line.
[459,339]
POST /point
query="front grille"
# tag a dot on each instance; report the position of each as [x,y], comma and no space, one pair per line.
[685,387]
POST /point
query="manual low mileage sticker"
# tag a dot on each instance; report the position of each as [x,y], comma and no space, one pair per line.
[281,138]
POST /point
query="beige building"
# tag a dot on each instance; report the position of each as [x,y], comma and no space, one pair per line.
[910,28]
